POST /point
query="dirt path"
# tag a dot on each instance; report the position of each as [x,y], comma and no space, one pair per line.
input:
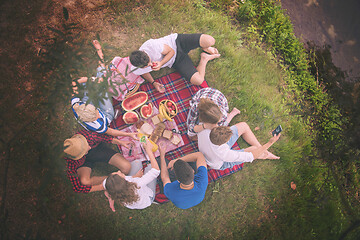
[331,22]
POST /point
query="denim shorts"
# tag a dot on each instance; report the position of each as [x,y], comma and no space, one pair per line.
[234,137]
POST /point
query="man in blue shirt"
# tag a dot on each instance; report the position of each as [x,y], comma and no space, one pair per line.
[189,189]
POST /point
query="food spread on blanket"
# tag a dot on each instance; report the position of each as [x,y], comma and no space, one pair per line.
[130,117]
[143,139]
[146,110]
[134,101]
[168,109]
[155,124]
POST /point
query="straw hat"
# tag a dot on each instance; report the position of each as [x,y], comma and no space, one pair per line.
[76,146]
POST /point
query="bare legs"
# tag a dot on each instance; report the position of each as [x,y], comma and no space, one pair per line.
[99,52]
[246,133]
[206,43]
[232,114]
[85,179]
[117,160]
[121,163]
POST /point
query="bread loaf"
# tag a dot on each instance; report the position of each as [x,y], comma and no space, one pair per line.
[159,129]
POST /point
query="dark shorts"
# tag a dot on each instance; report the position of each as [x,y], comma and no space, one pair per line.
[101,153]
[183,64]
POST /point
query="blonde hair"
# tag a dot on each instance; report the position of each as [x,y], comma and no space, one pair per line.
[86,112]
[209,112]
[220,135]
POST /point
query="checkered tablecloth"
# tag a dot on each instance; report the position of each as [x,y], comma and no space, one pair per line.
[180,91]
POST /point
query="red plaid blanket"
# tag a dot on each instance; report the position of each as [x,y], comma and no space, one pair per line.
[180,91]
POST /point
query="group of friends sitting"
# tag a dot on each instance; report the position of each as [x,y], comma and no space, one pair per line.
[184,180]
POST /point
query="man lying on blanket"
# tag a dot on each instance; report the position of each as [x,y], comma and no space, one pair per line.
[172,51]
[187,189]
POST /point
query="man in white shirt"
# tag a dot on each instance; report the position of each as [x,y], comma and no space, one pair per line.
[215,143]
[172,51]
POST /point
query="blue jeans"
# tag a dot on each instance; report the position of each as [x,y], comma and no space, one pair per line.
[106,106]
[231,142]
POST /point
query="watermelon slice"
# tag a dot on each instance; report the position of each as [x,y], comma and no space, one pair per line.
[146,111]
[130,117]
[134,101]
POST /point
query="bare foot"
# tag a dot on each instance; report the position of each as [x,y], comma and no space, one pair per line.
[268,155]
[211,50]
[207,57]
[82,80]
[98,48]
[96,44]
[232,114]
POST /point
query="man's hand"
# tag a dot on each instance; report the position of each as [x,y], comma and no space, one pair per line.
[274,138]
[159,87]
[126,144]
[171,164]
[162,148]
[156,66]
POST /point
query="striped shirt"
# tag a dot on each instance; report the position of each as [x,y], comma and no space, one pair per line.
[100,125]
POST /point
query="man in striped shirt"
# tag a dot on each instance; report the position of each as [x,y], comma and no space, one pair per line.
[94,119]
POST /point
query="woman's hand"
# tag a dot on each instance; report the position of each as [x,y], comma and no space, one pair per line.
[111,202]
[134,136]
[148,146]
[139,174]
[159,87]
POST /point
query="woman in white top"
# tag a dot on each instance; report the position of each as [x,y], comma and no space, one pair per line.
[137,191]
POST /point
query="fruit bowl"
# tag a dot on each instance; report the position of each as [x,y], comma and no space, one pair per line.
[168,109]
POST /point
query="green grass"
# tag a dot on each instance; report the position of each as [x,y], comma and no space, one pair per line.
[255,203]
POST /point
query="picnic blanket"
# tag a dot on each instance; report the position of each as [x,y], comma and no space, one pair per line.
[180,91]
[119,69]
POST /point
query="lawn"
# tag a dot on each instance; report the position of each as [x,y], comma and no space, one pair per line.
[256,203]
